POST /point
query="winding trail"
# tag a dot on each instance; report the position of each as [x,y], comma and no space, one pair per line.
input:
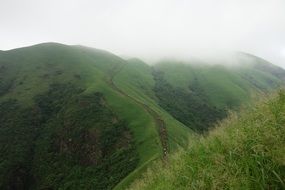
[161,127]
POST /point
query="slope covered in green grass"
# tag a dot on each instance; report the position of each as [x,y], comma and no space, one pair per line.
[205,88]
[198,94]
[31,72]
[245,151]
[78,118]
[135,78]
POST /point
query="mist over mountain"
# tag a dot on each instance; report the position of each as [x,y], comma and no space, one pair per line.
[73,116]
[148,29]
[142,94]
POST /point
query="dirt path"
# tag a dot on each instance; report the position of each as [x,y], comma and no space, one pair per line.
[158,120]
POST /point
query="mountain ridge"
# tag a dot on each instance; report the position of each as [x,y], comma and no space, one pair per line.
[154,109]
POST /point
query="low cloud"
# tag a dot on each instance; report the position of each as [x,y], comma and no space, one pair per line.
[150,29]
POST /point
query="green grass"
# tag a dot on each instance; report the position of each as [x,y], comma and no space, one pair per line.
[224,86]
[28,72]
[68,140]
[34,69]
[38,66]
[137,80]
[143,127]
[245,151]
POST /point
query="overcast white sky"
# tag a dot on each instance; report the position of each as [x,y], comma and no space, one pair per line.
[149,28]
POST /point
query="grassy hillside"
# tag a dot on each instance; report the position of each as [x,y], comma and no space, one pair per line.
[224,85]
[212,88]
[245,151]
[202,93]
[75,117]
[136,79]
[28,73]
[198,94]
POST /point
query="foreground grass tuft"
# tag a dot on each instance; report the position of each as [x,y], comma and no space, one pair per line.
[244,152]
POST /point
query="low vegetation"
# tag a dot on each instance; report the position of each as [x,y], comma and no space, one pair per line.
[189,106]
[64,124]
[66,141]
[243,152]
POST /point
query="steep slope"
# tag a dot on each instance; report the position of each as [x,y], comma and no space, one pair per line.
[77,117]
[172,134]
[243,152]
[199,94]
[159,122]
[53,84]
[137,80]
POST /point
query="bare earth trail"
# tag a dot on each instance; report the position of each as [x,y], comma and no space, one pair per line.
[158,120]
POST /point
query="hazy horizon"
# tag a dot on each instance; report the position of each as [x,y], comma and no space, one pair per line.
[149,30]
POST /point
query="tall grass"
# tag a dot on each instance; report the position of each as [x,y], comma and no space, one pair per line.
[245,151]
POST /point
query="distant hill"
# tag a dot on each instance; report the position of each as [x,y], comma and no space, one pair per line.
[198,94]
[76,117]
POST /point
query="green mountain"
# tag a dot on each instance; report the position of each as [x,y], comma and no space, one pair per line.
[245,151]
[74,117]
[198,93]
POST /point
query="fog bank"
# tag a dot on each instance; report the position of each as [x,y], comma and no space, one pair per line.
[149,29]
